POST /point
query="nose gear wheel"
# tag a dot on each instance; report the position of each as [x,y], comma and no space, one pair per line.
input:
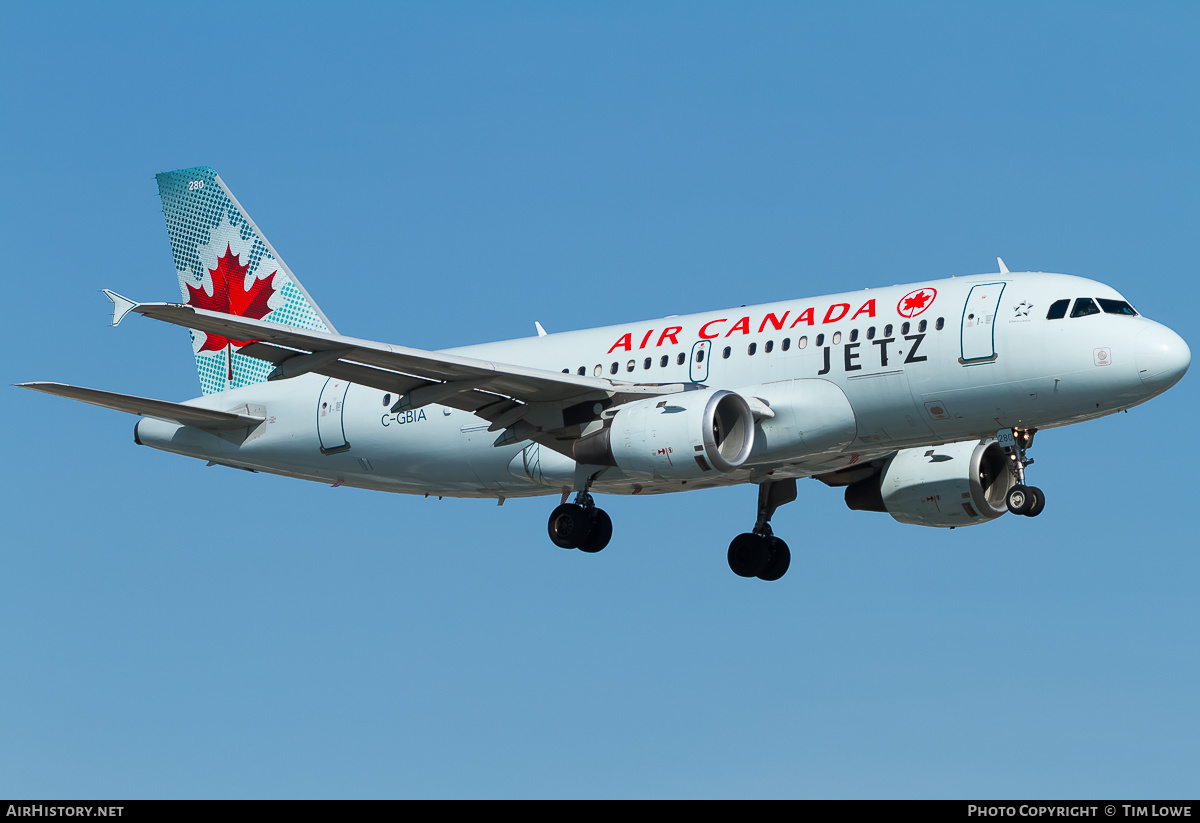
[1021,499]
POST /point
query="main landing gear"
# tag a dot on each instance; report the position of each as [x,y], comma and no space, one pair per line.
[1022,499]
[580,525]
[760,553]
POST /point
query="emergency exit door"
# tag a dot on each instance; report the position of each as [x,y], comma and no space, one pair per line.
[701,353]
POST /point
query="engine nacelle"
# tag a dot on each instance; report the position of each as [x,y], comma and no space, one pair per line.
[957,484]
[681,437]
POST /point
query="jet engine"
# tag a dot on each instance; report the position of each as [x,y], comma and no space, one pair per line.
[682,437]
[956,484]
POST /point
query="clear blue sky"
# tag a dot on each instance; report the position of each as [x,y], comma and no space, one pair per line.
[441,174]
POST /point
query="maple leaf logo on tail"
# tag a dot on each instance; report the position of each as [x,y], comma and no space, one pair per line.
[230,296]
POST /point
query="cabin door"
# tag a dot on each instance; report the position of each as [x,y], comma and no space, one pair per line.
[979,323]
[331,429]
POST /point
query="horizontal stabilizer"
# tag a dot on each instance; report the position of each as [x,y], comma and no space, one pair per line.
[161,409]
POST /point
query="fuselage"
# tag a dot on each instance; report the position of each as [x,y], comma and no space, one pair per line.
[846,377]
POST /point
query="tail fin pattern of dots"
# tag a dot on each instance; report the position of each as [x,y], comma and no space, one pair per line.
[225,264]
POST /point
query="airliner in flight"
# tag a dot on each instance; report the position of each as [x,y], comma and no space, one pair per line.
[919,400]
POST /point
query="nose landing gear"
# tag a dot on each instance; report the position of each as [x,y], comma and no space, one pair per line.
[1021,499]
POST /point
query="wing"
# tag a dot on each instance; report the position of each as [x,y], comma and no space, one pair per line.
[520,401]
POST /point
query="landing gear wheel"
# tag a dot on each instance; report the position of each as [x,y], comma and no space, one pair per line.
[601,532]
[1039,501]
[780,559]
[1019,500]
[571,525]
[749,555]
[760,553]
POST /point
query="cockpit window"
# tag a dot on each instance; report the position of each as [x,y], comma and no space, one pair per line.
[1083,307]
[1058,310]
[1116,307]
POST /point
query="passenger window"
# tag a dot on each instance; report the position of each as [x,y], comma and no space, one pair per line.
[646,363]
[871,333]
[820,340]
[1058,310]
[728,351]
[802,343]
[753,347]
[853,335]
[904,328]
[786,344]
[768,346]
[631,365]
[613,369]
[599,370]
[582,371]
[941,321]
[681,358]
[662,364]
[837,337]
[887,330]
[1116,307]
[1083,307]
[699,355]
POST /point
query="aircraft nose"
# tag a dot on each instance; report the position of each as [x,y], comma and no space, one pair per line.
[1162,357]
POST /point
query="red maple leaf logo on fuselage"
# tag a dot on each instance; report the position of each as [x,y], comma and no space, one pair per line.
[231,297]
[915,302]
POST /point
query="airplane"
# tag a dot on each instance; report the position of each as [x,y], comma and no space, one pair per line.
[919,400]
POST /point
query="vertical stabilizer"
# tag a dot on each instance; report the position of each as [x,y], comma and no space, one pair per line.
[225,264]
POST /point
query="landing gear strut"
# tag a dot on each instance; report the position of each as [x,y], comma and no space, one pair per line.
[580,525]
[760,553]
[1022,499]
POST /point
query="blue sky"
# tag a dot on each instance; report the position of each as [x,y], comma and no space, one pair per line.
[442,174]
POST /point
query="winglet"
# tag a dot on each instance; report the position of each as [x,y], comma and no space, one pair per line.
[121,306]
[541,332]
[1003,268]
